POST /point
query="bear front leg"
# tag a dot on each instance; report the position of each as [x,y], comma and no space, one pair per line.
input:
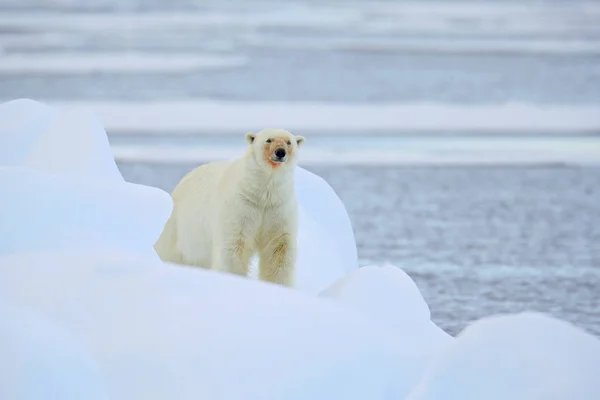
[233,256]
[278,260]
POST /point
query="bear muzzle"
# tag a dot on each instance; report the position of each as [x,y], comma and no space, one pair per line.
[279,155]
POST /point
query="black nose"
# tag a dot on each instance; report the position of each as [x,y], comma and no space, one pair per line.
[280,153]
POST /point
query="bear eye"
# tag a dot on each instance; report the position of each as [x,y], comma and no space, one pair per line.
[269,140]
[289,143]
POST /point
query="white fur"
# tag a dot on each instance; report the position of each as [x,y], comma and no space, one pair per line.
[225,212]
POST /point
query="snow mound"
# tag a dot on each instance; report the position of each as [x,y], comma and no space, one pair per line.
[41,211]
[389,296]
[74,143]
[321,203]
[63,188]
[526,356]
[41,359]
[159,332]
[22,121]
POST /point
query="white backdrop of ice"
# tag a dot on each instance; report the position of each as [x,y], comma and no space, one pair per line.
[40,210]
[22,121]
[42,359]
[388,295]
[161,332]
[64,189]
[322,204]
[73,143]
[527,356]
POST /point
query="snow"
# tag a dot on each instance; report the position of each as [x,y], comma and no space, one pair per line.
[388,295]
[22,122]
[328,210]
[74,138]
[39,210]
[42,359]
[62,186]
[161,332]
[526,356]
[126,62]
[87,310]
[160,117]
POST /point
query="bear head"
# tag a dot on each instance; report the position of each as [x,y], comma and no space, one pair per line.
[274,148]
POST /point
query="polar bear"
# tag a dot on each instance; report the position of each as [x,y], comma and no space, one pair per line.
[225,212]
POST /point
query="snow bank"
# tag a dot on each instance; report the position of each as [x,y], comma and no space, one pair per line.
[74,143]
[320,202]
[388,295]
[390,298]
[215,116]
[22,121]
[42,359]
[62,186]
[39,210]
[519,357]
[160,332]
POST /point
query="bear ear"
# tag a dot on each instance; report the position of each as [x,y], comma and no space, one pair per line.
[300,140]
[250,137]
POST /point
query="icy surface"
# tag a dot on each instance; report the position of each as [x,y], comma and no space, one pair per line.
[21,123]
[160,332]
[42,359]
[44,211]
[388,295]
[321,203]
[526,356]
[62,187]
[74,143]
